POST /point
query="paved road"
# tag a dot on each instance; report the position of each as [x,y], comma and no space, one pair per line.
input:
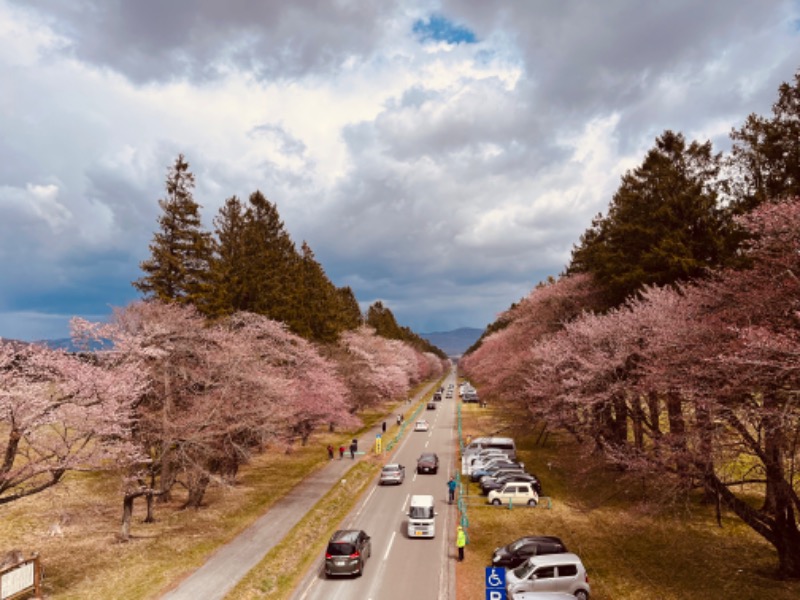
[401,567]
[232,562]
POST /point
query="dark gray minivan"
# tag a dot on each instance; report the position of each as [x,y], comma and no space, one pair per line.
[346,553]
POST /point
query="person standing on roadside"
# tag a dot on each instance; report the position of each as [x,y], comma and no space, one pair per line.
[330,452]
[341,452]
[353,450]
[451,490]
[461,541]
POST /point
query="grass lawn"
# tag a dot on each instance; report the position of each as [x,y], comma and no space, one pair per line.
[635,545]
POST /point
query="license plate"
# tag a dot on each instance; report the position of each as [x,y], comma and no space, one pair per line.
[339,563]
[417,533]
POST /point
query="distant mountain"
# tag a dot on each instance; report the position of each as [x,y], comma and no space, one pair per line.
[455,342]
[69,346]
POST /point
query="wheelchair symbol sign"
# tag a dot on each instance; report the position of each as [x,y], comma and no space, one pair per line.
[495,578]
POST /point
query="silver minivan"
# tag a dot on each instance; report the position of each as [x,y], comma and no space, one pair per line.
[550,573]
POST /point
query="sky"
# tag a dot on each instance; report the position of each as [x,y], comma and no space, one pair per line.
[440,156]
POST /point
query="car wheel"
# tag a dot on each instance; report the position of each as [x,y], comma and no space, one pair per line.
[360,568]
[531,502]
[496,501]
[582,595]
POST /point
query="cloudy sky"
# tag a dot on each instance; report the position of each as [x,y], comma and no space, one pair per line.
[440,156]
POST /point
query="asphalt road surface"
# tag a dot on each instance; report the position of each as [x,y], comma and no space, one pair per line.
[401,567]
[229,564]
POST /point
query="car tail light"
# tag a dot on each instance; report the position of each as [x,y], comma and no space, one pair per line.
[328,555]
[586,576]
[355,554]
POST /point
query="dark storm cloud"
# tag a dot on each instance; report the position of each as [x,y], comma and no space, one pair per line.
[154,40]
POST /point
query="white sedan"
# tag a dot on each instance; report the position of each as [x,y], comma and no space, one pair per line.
[421,426]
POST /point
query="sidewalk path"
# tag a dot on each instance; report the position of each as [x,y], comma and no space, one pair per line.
[233,561]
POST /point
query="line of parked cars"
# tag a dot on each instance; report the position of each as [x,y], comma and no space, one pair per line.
[537,567]
[492,463]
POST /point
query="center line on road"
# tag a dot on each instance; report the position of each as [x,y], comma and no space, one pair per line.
[389,547]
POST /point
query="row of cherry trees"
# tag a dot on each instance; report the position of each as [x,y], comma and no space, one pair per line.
[176,400]
[697,383]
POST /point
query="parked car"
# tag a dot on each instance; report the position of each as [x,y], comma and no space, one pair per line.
[495,483]
[428,462]
[431,406]
[495,467]
[517,552]
[542,596]
[392,473]
[347,551]
[550,573]
[514,493]
[421,425]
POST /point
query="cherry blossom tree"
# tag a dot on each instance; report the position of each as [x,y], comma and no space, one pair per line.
[59,413]
[215,394]
[499,362]
[697,383]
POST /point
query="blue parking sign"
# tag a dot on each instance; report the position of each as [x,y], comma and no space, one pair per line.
[495,594]
[495,578]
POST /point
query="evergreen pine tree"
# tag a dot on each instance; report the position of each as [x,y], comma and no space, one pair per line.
[766,152]
[350,311]
[229,265]
[663,224]
[178,268]
[271,283]
[320,300]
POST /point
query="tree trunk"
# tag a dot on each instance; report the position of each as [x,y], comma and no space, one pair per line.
[127,513]
[637,421]
[198,483]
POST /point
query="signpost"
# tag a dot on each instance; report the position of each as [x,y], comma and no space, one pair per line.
[378,443]
[495,583]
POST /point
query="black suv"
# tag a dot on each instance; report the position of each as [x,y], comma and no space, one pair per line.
[347,550]
[518,551]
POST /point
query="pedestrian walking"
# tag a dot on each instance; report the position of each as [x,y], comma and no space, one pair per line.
[461,541]
[451,490]
[353,450]
[384,427]
[341,452]
[399,418]
[330,452]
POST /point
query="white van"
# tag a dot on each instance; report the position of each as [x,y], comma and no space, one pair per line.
[421,517]
[504,444]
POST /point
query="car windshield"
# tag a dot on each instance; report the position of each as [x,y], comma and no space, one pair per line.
[421,512]
[391,468]
[524,570]
[516,545]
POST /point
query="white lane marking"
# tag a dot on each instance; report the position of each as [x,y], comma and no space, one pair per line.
[405,502]
[389,547]
[427,442]
[366,500]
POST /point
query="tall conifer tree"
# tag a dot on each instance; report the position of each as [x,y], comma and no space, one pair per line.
[178,267]
[663,225]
